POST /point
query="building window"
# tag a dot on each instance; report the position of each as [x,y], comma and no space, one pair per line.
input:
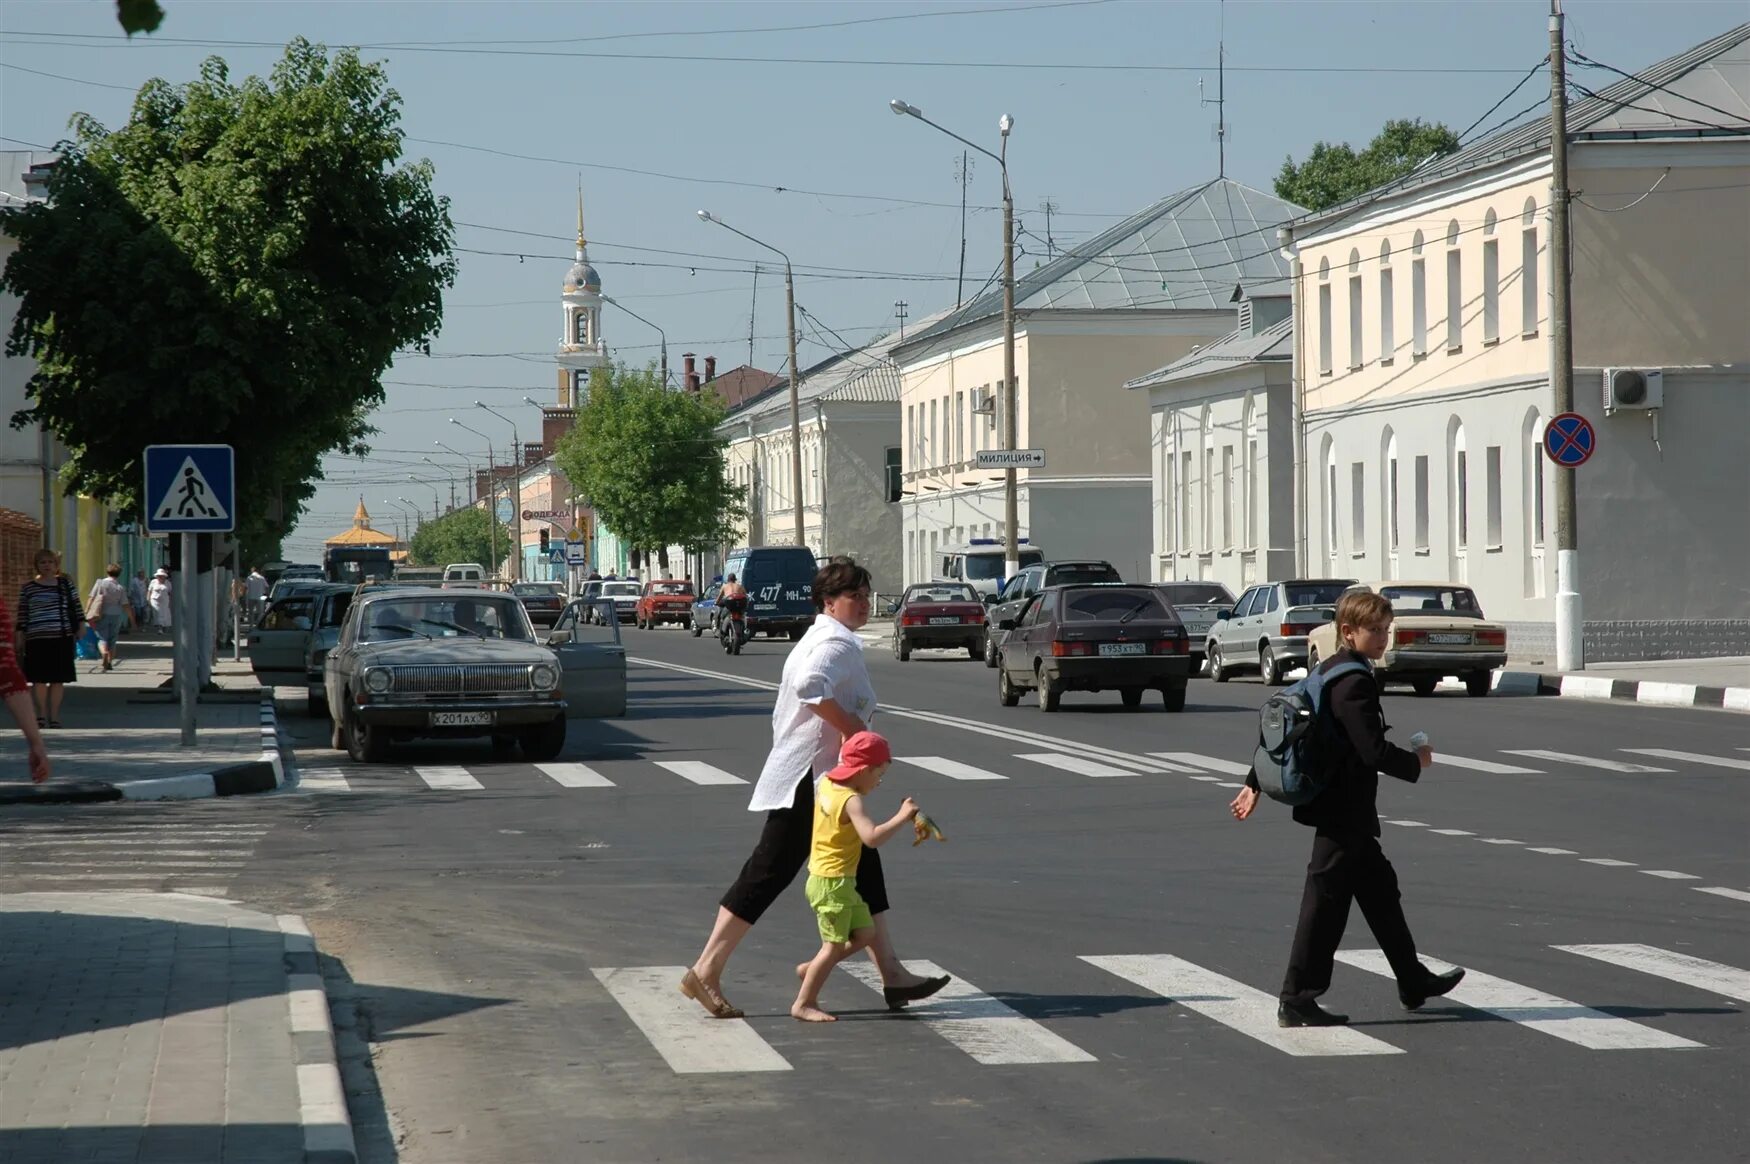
[1422,503]
[1355,360]
[1252,491]
[1331,504]
[959,426]
[1324,317]
[1208,497]
[1185,501]
[1492,468]
[934,446]
[895,474]
[1391,495]
[1227,497]
[1491,281]
[1358,504]
[911,434]
[1528,302]
[1454,290]
[1418,299]
[1537,467]
[1461,474]
[1388,343]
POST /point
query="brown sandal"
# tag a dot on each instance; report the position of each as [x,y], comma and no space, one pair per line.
[708,997]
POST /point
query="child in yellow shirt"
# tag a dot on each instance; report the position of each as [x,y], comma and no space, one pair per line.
[841,828]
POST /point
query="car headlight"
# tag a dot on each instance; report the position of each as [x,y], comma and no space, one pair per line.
[543,677]
[378,680]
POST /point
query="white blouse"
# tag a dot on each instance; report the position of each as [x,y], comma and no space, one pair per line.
[826,664]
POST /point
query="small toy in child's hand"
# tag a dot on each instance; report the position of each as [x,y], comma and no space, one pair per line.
[925,828]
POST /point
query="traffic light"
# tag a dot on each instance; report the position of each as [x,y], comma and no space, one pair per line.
[546,536]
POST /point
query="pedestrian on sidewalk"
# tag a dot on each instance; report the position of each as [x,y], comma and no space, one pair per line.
[15,690]
[158,596]
[50,621]
[137,598]
[108,609]
[255,592]
[825,697]
[1347,862]
[842,827]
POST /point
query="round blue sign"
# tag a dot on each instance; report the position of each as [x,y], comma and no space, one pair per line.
[505,510]
[1569,439]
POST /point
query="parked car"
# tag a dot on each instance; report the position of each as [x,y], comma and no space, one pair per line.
[1267,628]
[442,663]
[592,661]
[664,600]
[702,616]
[292,642]
[980,563]
[1030,581]
[461,575]
[543,600]
[621,595]
[779,581]
[1437,630]
[937,615]
[1095,638]
[1197,604]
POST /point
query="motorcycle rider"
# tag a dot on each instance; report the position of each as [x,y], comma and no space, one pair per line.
[730,599]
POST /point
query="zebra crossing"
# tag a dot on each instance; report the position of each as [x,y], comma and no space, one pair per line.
[172,847]
[988,1030]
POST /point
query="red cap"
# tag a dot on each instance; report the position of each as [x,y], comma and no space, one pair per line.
[863,750]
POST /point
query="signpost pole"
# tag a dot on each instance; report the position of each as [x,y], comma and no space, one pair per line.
[187,648]
[1570,637]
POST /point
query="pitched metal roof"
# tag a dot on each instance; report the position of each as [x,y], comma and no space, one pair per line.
[1669,99]
[1275,344]
[1185,252]
[865,375]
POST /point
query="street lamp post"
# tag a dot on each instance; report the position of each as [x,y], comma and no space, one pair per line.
[516,501]
[492,496]
[449,475]
[468,464]
[437,498]
[795,374]
[406,535]
[660,334]
[1011,507]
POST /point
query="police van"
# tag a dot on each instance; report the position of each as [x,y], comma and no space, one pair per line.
[979,563]
[779,581]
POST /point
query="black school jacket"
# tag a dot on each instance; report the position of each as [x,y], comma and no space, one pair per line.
[1347,805]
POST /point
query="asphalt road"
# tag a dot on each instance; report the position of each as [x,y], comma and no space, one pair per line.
[1116,940]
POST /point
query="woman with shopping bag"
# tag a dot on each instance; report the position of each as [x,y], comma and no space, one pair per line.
[49,623]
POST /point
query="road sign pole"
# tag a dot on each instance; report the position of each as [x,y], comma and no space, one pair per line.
[1570,637]
[187,646]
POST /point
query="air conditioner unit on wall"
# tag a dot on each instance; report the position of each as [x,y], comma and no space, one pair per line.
[1636,388]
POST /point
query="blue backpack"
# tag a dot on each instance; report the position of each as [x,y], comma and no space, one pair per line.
[1294,737]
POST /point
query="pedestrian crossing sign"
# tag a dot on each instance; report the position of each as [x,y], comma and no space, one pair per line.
[190,489]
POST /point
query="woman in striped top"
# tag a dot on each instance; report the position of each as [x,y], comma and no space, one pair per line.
[49,622]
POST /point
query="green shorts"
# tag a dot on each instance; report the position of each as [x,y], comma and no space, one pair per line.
[838,907]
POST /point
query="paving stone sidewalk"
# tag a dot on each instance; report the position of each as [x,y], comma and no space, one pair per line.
[162,1029]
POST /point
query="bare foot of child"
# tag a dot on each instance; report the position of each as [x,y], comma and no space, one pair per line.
[811,1014]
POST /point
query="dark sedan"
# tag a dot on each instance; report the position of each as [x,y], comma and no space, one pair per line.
[939,615]
[1094,638]
[543,600]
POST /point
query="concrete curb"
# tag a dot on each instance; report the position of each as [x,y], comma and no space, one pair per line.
[1648,691]
[260,775]
[328,1137]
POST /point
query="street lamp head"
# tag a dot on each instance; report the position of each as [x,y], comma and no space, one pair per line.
[1005,123]
[478,404]
[904,109]
[705,216]
[453,420]
[527,400]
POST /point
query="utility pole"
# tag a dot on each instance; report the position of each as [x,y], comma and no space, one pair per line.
[1011,400]
[1050,208]
[1220,101]
[964,174]
[899,306]
[1570,637]
[753,307]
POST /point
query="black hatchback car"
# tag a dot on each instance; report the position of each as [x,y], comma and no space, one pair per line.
[1017,590]
[1096,637]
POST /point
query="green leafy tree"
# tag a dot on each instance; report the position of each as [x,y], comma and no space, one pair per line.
[463,535]
[138,15]
[238,264]
[1336,173]
[651,463]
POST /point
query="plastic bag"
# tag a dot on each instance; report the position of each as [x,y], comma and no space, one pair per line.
[86,647]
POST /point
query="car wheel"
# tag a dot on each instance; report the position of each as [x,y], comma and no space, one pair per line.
[1424,687]
[697,630]
[902,649]
[1268,668]
[1477,683]
[1132,697]
[1174,697]
[1007,695]
[1217,672]
[364,743]
[990,650]
[976,648]
[1312,658]
[544,742]
[796,634]
[317,699]
[1050,694]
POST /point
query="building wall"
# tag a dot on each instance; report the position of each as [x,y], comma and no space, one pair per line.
[1099,519]
[860,521]
[939,432]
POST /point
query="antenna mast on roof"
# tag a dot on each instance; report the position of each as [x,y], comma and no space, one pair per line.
[899,309]
[1220,101]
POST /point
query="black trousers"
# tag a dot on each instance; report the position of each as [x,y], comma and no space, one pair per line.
[1346,867]
[781,854]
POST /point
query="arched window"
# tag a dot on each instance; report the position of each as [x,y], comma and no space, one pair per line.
[580,323]
[1531,443]
[1454,290]
[1388,341]
[1418,298]
[1459,537]
[1491,281]
[1324,317]
[1183,441]
[1529,305]
[1206,498]
[1255,489]
[1388,480]
[1355,360]
[1328,458]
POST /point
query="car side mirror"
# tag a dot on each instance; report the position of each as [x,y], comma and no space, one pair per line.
[1223,615]
[1006,624]
[558,638]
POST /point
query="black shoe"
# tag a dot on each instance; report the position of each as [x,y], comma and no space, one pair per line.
[897,996]
[1307,1014]
[1431,986]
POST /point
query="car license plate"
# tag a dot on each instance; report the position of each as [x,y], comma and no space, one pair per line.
[1123,649]
[1450,640]
[461,719]
[945,620]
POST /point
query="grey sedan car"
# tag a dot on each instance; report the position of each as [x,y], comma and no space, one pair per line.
[1198,605]
[1268,626]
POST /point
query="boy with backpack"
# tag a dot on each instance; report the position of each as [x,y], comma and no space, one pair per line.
[1324,745]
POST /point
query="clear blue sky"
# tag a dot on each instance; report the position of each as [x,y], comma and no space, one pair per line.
[1102,139]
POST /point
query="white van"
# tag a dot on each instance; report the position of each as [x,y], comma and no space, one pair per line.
[464,576]
[979,563]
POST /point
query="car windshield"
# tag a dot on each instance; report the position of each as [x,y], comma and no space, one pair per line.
[1452,600]
[942,592]
[672,588]
[1197,593]
[987,567]
[1107,605]
[1074,575]
[1315,593]
[476,616]
[620,589]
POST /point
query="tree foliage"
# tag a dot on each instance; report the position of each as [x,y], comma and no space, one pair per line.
[462,535]
[1336,173]
[238,264]
[138,15]
[651,463]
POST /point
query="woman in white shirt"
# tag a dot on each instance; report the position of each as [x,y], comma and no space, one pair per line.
[825,696]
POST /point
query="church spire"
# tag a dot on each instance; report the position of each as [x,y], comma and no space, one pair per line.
[582,243]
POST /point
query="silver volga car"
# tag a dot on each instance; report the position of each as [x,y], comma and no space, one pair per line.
[443,663]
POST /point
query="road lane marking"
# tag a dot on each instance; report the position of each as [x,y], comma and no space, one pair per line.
[96,874]
[1609,862]
[1211,763]
[953,769]
[1080,765]
[142,850]
[1499,841]
[1670,875]
[1722,891]
[690,1041]
[138,840]
[449,779]
[1408,824]
[89,864]
[986,1029]
[1568,1021]
[1208,779]
[1234,1004]
[323,780]
[575,775]
[1551,851]
[1451,761]
[1453,832]
[699,773]
[1582,761]
[1713,977]
[1692,757]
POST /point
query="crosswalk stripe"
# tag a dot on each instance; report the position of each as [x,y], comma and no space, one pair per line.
[952,769]
[988,1030]
[448,778]
[70,863]
[1714,977]
[323,780]
[1209,779]
[1722,891]
[690,1041]
[1499,841]
[1409,824]
[1568,1021]
[1080,765]
[136,841]
[1234,1004]
[575,775]
[1693,757]
[1453,832]
[1608,862]
[1554,852]
[137,851]
[1582,761]
[699,773]
[1499,769]
[1670,874]
[1211,763]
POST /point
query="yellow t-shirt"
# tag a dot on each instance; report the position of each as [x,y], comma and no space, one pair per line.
[836,846]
